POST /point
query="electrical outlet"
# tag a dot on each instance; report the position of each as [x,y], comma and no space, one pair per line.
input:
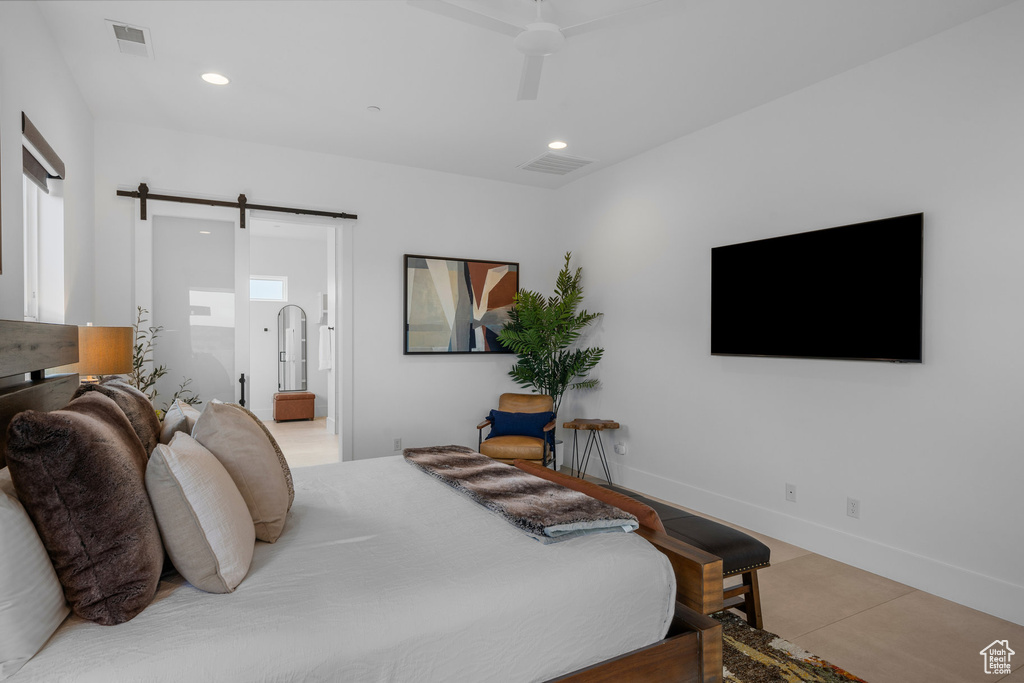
[620,448]
[853,507]
[398,444]
[791,493]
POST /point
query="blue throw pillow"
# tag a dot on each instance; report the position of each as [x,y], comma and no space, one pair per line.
[519,424]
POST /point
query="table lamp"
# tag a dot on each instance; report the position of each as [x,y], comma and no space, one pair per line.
[102,351]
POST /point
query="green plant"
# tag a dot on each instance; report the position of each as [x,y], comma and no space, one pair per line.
[184,394]
[145,373]
[540,331]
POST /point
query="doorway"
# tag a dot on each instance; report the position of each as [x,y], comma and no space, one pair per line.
[291,328]
[192,270]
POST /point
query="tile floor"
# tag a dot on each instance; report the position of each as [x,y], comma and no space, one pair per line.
[305,442]
[875,628]
[880,630]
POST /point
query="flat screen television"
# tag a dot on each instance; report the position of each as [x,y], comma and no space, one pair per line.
[852,292]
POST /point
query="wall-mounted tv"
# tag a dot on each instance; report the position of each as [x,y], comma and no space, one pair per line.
[852,292]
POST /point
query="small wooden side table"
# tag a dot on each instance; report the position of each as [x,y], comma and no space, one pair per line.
[594,441]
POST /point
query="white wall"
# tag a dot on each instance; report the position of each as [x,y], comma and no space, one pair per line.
[304,262]
[933,451]
[35,79]
[423,400]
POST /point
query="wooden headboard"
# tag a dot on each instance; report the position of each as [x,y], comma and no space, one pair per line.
[30,349]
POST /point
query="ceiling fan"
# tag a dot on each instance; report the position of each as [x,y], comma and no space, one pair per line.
[535,40]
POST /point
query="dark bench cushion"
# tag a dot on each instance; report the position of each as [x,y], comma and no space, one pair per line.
[740,552]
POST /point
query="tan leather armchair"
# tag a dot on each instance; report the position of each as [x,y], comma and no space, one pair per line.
[507,448]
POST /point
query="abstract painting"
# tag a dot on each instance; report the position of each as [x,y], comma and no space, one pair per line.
[457,305]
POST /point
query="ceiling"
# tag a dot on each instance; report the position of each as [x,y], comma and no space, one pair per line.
[304,73]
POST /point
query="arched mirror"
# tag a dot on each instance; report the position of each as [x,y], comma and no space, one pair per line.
[291,349]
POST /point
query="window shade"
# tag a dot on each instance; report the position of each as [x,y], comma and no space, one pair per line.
[36,139]
[31,165]
[34,170]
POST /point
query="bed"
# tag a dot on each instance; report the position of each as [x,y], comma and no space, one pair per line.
[383,573]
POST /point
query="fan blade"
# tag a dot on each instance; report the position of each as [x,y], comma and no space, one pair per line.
[446,9]
[648,10]
[529,82]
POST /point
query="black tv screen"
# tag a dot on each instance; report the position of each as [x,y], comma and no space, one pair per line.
[852,292]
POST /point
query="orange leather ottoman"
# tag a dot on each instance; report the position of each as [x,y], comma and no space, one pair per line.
[293,405]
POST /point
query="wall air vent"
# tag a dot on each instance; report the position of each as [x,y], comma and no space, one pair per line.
[131,40]
[555,164]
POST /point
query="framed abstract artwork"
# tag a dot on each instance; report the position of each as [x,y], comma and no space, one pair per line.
[457,305]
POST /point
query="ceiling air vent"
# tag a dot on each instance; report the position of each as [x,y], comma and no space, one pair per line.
[555,164]
[132,40]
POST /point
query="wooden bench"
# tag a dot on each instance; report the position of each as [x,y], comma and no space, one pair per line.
[703,552]
[723,550]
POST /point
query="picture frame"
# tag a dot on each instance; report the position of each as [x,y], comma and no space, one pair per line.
[456,305]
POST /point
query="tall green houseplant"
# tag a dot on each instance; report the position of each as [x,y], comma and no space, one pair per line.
[542,331]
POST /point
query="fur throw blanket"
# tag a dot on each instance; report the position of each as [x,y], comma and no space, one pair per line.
[543,509]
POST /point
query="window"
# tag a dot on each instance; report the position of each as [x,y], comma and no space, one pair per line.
[44,251]
[43,197]
[30,195]
[268,288]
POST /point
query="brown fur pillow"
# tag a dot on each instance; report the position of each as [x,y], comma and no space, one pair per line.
[80,474]
[136,407]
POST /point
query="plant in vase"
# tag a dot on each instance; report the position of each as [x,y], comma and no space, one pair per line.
[145,373]
[543,332]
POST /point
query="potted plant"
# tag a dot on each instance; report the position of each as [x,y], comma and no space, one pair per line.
[542,332]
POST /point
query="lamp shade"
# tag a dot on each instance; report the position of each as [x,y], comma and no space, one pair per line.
[103,351]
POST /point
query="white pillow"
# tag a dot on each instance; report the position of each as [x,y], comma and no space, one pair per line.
[31,598]
[247,455]
[203,519]
[180,417]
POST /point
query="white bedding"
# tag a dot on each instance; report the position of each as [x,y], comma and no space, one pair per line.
[385,574]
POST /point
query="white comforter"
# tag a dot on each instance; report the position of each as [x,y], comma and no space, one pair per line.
[385,574]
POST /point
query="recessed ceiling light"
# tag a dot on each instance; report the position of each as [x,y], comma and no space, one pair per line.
[557,144]
[204,232]
[373,109]
[216,79]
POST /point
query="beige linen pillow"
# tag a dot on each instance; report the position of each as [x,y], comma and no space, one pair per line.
[277,450]
[244,450]
[180,417]
[31,597]
[203,519]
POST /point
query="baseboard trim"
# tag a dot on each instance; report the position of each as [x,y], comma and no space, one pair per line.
[332,425]
[964,586]
[263,413]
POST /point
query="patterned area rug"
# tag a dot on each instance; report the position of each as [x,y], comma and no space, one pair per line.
[750,655]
